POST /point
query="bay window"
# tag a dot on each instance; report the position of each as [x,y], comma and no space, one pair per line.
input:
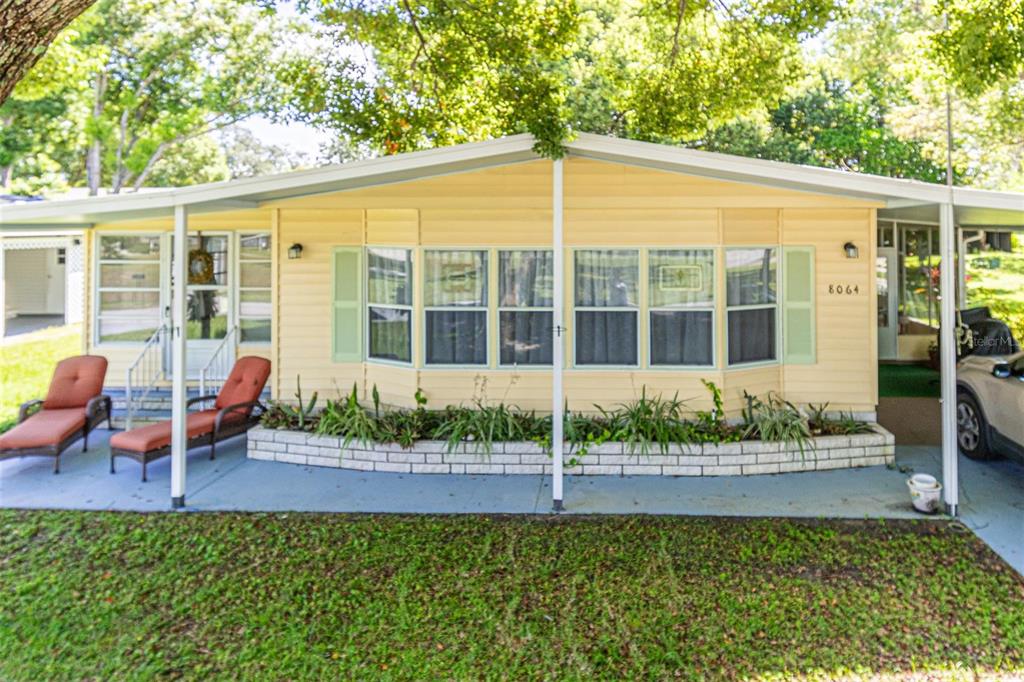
[752,303]
[607,286]
[389,279]
[525,300]
[681,303]
[128,292]
[455,307]
[254,291]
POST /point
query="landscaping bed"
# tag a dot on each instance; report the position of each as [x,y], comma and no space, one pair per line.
[609,458]
[652,435]
[310,596]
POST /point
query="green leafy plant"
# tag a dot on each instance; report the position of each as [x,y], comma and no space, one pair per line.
[712,427]
[300,417]
[775,420]
[482,425]
[648,422]
[822,424]
[347,418]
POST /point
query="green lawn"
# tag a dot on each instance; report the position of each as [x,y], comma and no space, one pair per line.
[304,596]
[996,279]
[26,366]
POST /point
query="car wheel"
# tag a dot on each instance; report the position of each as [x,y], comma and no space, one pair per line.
[971,428]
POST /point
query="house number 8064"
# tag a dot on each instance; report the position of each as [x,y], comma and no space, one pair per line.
[844,289]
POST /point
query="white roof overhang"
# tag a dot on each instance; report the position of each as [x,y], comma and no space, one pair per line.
[903,199]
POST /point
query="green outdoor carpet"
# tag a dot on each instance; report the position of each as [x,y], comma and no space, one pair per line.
[907,381]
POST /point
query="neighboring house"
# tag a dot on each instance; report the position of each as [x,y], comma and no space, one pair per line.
[434,270]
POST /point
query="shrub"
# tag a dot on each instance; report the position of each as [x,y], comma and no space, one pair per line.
[821,424]
[776,420]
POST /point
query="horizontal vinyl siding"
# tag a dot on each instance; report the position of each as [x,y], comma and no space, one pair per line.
[845,373]
[304,300]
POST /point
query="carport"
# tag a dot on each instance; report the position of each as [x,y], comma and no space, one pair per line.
[960,210]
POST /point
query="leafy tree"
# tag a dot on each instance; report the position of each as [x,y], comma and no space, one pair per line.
[173,71]
[829,124]
[194,161]
[408,74]
[247,156]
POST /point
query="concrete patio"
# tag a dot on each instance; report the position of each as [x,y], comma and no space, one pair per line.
[992,494]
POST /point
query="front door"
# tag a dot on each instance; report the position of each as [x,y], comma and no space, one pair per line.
[209,316]
[888,317]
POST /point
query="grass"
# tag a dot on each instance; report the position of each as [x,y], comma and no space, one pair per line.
[305,596]
[26,366]
[907,381]
[1001,288]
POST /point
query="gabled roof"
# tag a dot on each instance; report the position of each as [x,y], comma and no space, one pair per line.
[904,199]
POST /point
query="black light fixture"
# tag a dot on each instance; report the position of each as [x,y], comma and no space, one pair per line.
[851,250]
[295,251]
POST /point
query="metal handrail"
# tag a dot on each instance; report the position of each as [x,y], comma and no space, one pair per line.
[151,366]
[219,361]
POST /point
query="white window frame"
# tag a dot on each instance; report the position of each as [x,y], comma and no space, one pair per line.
[711,307]
[367,304]
[638,309]
[499,309]
[99,261]
[240,288]
[777,305]
[486,308]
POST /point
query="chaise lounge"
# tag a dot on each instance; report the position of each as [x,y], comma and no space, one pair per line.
[236,410]
[74,406]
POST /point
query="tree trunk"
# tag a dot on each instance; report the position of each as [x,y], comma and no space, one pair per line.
[94,155]
[28,27]
[5,177]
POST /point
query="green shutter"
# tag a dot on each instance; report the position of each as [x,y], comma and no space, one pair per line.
[347,322]
[798,334]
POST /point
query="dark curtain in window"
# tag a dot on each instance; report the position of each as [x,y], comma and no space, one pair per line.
[681,338]
[456,337]
[751,335]
[526,337]
[605,338]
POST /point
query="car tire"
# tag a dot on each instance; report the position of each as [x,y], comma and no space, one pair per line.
[971,428]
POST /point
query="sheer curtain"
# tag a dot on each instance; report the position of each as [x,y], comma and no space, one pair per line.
[389,294]
[607,282]
[455,298]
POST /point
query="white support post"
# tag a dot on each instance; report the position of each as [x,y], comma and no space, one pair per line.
[961,269]
[179,316]
[558,352]
[947,352]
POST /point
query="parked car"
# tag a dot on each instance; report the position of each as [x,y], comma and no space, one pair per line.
[990,406]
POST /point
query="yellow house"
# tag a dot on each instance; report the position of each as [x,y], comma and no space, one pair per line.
[484,272]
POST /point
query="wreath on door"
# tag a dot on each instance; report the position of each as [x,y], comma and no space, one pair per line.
[200,267]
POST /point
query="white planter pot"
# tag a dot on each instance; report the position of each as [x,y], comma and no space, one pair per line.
[925,492]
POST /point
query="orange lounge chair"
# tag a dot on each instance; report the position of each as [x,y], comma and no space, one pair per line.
[236,410]
[73,407]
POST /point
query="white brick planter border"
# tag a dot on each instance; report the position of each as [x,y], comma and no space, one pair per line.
[610,459]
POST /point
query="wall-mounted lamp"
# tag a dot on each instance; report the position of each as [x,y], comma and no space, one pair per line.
[295,251]
[851,250]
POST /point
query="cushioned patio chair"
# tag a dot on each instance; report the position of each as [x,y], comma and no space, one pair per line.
[236,410]
[74,406]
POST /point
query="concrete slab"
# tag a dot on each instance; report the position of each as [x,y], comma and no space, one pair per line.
[992,492]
